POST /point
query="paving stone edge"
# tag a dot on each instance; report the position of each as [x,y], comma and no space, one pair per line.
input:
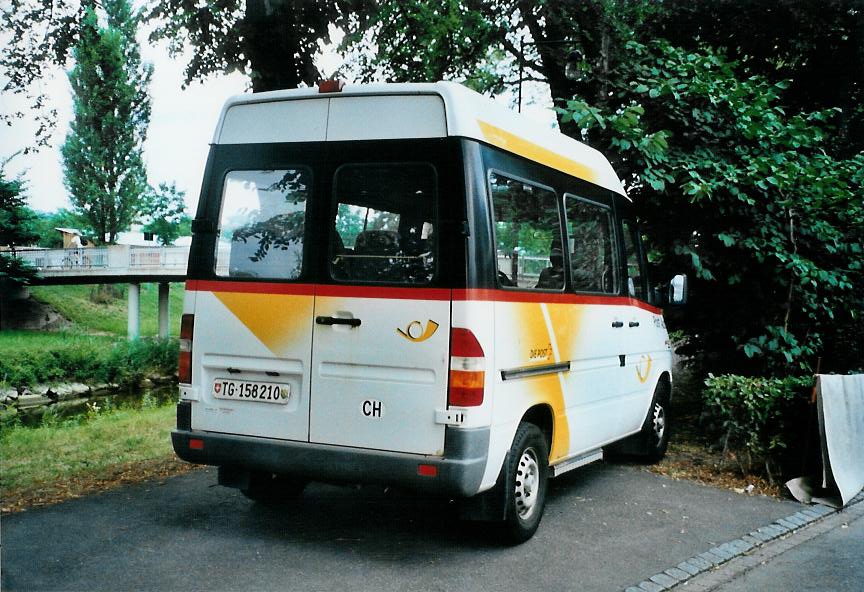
[720,554]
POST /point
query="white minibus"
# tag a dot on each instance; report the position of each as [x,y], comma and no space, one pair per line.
[409,284]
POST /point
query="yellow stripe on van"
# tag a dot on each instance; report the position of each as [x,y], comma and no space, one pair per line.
[277,320]
[513,143]
[546,389]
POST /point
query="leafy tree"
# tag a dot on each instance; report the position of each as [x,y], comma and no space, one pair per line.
[102,156]
[817,45]
[274,42]
[166,214]
[16,229]
[745,194]
[423,41]
[486,42]
[576,46]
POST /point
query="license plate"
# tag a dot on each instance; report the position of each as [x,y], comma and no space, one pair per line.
[251,390]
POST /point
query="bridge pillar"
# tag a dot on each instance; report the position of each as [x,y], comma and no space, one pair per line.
[163,310]
[133,325]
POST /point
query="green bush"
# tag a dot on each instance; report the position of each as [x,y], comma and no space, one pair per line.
[88,360]
[754,416]
[130,361]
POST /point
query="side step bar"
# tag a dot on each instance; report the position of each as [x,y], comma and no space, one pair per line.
[576,462]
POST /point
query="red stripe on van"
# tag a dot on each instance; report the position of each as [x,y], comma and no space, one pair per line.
[391,293]
[479,294]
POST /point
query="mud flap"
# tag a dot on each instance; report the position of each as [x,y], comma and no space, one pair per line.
[634,445]
[489,506]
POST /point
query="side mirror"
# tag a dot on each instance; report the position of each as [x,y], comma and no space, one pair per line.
[678,290]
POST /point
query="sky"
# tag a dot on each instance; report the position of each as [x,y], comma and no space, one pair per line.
[181,126]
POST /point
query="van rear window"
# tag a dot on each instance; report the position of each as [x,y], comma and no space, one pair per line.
[384,225]
[261,227]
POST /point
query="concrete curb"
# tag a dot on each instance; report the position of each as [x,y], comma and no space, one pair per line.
[720,554]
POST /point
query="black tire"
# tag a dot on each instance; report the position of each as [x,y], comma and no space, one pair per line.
[655,429]
[267,488]
[525,480]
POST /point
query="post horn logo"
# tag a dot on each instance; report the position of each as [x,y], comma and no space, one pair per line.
[415,331]
[643,376]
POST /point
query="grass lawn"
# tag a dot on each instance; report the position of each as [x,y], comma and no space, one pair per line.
[75,303]
[35,341]
[71,457]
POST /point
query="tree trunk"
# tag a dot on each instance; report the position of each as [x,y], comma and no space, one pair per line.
[273,43]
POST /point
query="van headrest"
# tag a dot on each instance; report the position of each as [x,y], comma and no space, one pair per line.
[378,242]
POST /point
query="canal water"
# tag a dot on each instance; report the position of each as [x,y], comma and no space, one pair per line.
[136,398]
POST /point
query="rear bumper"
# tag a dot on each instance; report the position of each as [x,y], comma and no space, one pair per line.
[459,471]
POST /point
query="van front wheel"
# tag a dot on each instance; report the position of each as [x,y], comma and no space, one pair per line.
[268,488]
[655,429]
[526,475]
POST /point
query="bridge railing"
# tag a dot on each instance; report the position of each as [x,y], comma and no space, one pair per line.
[109,260]
[166,257]
[65,259]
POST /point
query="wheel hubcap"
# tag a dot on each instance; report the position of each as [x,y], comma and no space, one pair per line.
[527,483]
[659,421]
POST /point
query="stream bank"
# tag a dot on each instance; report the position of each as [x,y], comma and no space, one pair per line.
[30,404]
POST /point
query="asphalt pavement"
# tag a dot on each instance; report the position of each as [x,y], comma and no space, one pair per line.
[606,526]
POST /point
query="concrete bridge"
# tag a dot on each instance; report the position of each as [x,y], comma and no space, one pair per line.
[114,264]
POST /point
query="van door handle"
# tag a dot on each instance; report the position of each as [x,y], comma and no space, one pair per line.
[634,323]
[617,324]
[337,321]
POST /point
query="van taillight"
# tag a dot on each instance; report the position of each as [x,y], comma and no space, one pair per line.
[184,362]
[467,369]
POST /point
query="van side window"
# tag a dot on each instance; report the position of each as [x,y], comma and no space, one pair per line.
[593,265]
[261,227]
[384,225]
[636,278]
[527,234]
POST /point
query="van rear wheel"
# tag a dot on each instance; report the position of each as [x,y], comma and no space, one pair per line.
[527,470]
[269,488]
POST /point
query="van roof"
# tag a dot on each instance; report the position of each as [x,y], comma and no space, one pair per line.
[253,118]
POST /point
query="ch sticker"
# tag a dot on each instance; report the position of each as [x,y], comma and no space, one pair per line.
[644,361]
[415,331]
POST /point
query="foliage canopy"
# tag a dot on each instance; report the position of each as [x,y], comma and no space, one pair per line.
[746,195]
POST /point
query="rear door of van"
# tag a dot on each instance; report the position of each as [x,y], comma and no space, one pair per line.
[253,312]
[380,347]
